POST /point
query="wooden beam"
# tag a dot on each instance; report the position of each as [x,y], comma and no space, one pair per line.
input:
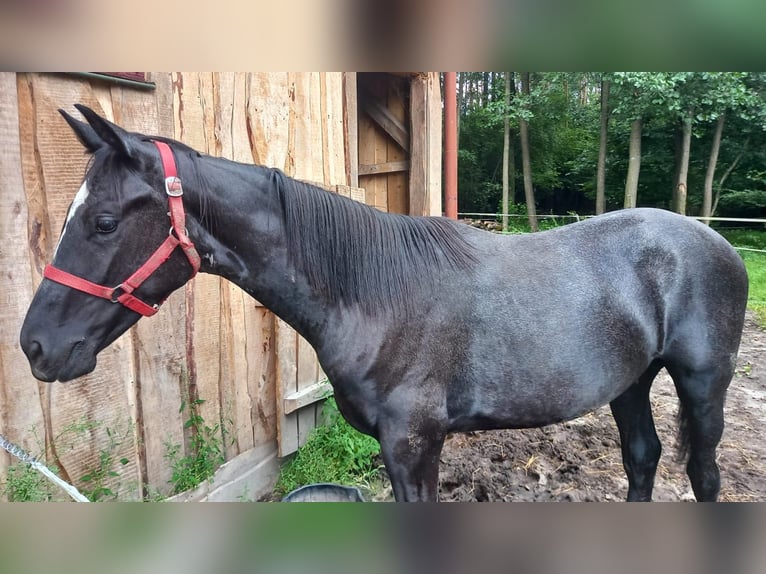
[419,154]
[425,156]
[387,167]
[306,397]
[380,114]
[351,128]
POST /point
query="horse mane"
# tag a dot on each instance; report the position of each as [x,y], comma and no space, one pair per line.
[354,253]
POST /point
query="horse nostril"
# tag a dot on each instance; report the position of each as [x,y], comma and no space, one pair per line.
[34,350]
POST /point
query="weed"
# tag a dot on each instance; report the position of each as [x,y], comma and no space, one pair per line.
[334,452]
[97,479]
[25,484]
[206,454]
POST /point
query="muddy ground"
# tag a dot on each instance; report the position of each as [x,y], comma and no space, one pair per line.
[580,460]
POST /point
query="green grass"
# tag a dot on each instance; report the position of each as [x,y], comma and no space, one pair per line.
[756,271]
[334,452]
[755,263]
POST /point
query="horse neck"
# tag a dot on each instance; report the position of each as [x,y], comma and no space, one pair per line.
[237,224]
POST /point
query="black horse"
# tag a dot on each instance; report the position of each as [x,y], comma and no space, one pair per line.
[423,325]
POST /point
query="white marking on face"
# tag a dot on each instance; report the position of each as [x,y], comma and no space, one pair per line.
[79,199]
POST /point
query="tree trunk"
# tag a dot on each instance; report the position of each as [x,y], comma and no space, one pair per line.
[707,191]
[727,173]
[601,169]
[460,98]
[680,192]
[529,193]
[634,164]
[506,148]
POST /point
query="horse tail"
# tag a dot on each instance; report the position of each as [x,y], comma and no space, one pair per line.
[683,439]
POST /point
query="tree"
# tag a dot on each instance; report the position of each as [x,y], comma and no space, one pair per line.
[506,148]
[735,94]
[640,95]
[529,193]
[715,148]
[601,168]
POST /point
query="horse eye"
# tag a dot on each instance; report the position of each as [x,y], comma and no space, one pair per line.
[106,224]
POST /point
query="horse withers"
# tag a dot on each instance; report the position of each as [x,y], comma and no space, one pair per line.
[423,325]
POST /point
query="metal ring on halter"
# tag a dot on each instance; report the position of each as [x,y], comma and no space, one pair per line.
[113,298]
[172,229]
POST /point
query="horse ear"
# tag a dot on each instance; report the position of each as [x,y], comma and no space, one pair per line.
[87,136]
[109,133]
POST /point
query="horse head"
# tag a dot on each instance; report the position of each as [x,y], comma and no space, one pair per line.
[115,260]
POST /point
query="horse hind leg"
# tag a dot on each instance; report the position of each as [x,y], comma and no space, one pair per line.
[702,394]
[641,448]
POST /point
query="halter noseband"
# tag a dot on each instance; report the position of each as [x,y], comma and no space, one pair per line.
[177,237]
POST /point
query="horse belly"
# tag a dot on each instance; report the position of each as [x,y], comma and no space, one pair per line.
[548,374]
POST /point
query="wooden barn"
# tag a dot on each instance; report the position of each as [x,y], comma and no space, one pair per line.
[375,137]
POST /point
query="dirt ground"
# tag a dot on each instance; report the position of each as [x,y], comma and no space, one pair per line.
[580,460]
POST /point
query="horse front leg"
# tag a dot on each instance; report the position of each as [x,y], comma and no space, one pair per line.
[411,451]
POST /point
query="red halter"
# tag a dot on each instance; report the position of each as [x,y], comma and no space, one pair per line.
[177,237]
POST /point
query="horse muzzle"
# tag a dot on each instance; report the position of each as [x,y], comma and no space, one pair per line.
[52,360]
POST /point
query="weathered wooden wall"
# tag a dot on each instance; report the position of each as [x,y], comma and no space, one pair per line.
[210,340]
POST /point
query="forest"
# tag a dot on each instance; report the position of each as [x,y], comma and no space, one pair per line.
[589,142]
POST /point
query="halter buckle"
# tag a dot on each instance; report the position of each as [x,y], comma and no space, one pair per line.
[173,186]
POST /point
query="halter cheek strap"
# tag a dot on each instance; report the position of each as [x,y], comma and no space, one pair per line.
[178,237]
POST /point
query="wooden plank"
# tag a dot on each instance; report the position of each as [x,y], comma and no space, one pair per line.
[203,325]
[313,150]
[366,153]
[269,119]
[263,375]
[162,370]
[381,182]
[396,183]
[351,128]
[385,167]
[103,399]
[39,226]
[307,396]
[388,122]
[435,148]
[306,377]
[335,128]
[426,119]
[357,194]
[325,105]
[236,401]
[232,377]
[287,377]
[17,386]
[240,141]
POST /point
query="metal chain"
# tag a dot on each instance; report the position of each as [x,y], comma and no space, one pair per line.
[24,456]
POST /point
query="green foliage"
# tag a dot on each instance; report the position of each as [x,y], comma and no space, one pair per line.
[25,484]
[747,203]
[96,482]
[335,452]
[206,451]
[563,114]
